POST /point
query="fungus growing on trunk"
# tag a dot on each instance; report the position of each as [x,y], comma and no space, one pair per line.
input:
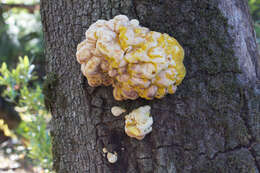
[139,122]
[112,157]
[116,110]
[137,62]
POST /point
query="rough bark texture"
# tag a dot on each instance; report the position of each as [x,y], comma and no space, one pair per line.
[212,123]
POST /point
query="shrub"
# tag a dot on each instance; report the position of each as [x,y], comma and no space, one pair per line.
[22,89]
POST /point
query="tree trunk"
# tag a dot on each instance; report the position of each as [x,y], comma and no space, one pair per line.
[211,124]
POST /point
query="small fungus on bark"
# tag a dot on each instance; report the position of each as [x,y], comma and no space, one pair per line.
[137,62]
[116,110]
[112,157]
[104,150]
[139,122]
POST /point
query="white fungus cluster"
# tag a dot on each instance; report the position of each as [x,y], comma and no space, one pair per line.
[139,122]
[111,157]
[137,62]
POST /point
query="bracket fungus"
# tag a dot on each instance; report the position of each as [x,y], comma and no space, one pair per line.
[139,122]
[137,62]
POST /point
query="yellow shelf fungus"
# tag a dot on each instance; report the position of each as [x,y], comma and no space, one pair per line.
[139,122]
[137,62]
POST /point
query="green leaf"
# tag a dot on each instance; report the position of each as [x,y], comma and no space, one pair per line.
[26,61]
[4,67]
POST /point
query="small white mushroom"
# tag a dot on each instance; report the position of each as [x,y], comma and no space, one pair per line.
[116,110]
[112,158]
[104,150]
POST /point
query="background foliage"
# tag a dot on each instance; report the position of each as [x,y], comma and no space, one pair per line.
[21,46]
[19,83]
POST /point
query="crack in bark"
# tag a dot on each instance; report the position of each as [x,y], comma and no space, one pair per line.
[171,145]
[252,140]
[135,9]
[227,151]
[205,72]
[144,158]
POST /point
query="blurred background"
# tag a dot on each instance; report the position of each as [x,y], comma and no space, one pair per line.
[25,142]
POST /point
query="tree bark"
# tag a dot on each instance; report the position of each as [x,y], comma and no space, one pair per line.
[211,124]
